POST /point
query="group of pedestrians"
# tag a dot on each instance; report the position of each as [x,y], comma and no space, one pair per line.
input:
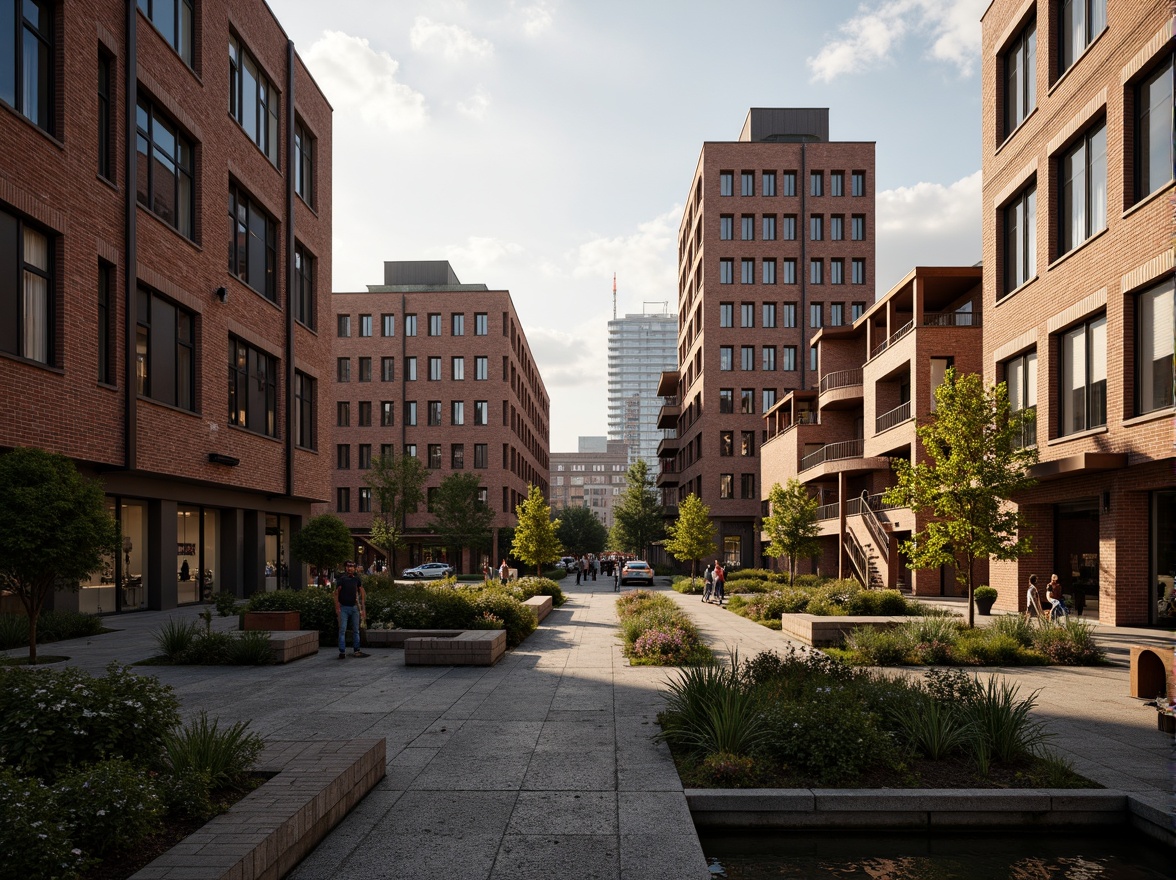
[714,582]
[1053,595]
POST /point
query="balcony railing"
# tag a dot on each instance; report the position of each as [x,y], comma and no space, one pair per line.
[828,511]
[853,507]
[841,379]
[874,525]
[951,319]
[888,420]
[857,558]
[893,338]
[832,452]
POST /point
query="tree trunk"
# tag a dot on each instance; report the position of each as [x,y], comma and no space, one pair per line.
[971,604]
[33,612]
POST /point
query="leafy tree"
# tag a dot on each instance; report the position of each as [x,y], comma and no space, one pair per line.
[460,517]
[581,531]
[975,468]
[54,529]
[791,526]
[324,542]
[535,540]
[397,483]
[692,535]
[639,515]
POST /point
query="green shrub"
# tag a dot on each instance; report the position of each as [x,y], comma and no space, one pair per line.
[878,602]
[315,605]
[711,710]
[951,685]
[683,583]
[208,648]
[725,770]
[201,747]
[226,603]
[249,648]
[58,718]
[930,727]
[1014,626]
[57,626]
[982,647]
[175,637]
[187,793]
[1000,726]
[486,620]
[807,580]
[1069,643]
[876,647]
[34,835]
[632,601]
[519,620]
[111,805]
[14,631]
[931,629]
[530,587]
[985,592]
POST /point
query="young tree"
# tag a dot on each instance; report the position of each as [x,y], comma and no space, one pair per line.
[54,529]
[792,525]
[581,531]
[460,518]
[397,483]
[692,535]
[638,517]
[976,466]
[535,540]
[324,542]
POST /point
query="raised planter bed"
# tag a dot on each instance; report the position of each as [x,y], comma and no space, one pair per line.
[288,646]
[274,621]
[476,647]
[830,632]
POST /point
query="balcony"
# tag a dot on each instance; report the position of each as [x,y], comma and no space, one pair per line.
[951,319]
[832,452]
[667,447]
[828,511]
[667,416]
[893,338]
[896,416]
[844,386]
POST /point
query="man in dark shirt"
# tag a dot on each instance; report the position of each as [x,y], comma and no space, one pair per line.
[349,602]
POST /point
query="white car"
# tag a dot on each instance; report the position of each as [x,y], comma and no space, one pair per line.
[429,570]
[637,570]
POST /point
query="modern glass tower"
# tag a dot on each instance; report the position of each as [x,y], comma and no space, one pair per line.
[640,347]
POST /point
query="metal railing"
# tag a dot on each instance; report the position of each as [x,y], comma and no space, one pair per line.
[893,338]
[896,416]
[951,319]
[874,525]
[857,558]
[828,511]
[840,379]
[832,452]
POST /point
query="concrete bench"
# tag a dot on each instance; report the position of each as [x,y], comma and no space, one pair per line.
[287,645]
[475,647]
[395,638]
[830,632]
[541,605]
[1151,671]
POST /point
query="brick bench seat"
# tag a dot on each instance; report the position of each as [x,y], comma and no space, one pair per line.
[287,645]
[475,647]
[541,605]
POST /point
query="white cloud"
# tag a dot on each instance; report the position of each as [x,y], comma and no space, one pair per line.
[876,32]
[927,224]
[357,78]
[476,105]
[480,254]
[452,42]
[537,18]
[645,261]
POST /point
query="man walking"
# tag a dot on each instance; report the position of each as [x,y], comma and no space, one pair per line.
[349,609]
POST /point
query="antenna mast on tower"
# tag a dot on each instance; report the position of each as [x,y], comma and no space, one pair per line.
[614,296]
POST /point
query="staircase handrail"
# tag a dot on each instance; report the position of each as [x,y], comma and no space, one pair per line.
[857,558]
[874,524]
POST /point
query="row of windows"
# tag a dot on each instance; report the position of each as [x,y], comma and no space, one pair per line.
[746,399]
[787,275]
[787,181]
[746,444]
[767,358]
[433,324]
[433,410]
[457,456]
[388,369]
[746,486]
[364,499]
[787,311]
[787,227]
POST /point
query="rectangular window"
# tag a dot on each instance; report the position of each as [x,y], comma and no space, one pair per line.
[768,314]
[434,369]
[726,314]
[812,357]
[173,19]
[1081,22]
[253,244]
[365,369]
[305,306]
[342,369]
[1154,320]
[457,324]
[253,388]
[747,315]
[365,325]
[726,400]
[365,414]
[769,399]
[387,369]
[836,314]
[305,409]
[858,227]
[789,314]
[1020,239]
[481,368]
[434,324]
[726,485]
[815,315]
[434,412]
[1153,131]
[788,183]
[747,271]
[304,144]
[481,324]
[1084,189]
[387,414]
[365,499]
[1083,399]
[481,412]
[856,311]
[816,183]
[343,500]
[747,401]
[747,357]
[1021,381]
[457,366]
[726,444]
[343,326]
[816,272]
[457,456]
[457,412]
[253,100]
[387,325]
[788,267]
[836,227]
[726,227]
[106,126]
[747,227]
[410,413]
[769,227]
[769,271]
[769,358]
[434,450]
[164,169]
[788,227]
[726,357]
[859,183]
[410,370]
[386,450]
[747,183]
[365,457]
[481,456]
[768,183]
[726,183]
[726,271]
[1020,73]
[815,227]
[343,414]
[410,449]
[747,486]
[858,270]
[107,310]
[165,352]
[836,183]
[788,358]
[410,325]
[837,271]
[27,47]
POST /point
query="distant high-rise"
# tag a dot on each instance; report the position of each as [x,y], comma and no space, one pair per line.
[595,477]
[640,348]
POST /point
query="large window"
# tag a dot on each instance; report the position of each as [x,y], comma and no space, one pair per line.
[253,246]
[769,227]
[789,314]
[1081,22]
[726,183]
[727,227]
[481,412]
[253,101]
[165,353]
[387,325]
[457,368]
[304,305]
[1020,75]
[305,432]
[816,183]
[481,368]
[434,412]
[858,269]
[747,183]
[769,358]
[26,53]
[788,183]
[726,400]
[815,227]
[788,358]
[434,369]
[836,227]
[726,485]
[768,183]
[816,272]
[1154,320]
[726,357]
[726,314]
[1153,131]
[253,388]
[788,270]
[106,125]
[769,315]
[747,357]
[1083,398]
[107,310]
[27,298]
[1083,206]
[304,144]
[387,414]
[164,169]
[726,271]
[457,412]
[481,324]
[747,271]
[1020,239]
[858,227]
[858,183]
[769,271]
[788,227]
[173,19]
[457,324]
[1021,380]
[837,271]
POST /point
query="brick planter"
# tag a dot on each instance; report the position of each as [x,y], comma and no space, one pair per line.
[273,621]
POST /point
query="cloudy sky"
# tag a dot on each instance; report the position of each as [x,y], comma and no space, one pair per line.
[542,145]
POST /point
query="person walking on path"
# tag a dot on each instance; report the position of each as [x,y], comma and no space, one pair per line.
[503,572]
[577,564]
[720,581]
[1053,592]
[594,563]
[349,609]
[617,577]
[708,583]
[1032,600]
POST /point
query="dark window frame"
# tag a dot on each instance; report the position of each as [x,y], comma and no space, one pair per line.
[154,316]
[242,257]
[305,411]
[154,131]
[253,388]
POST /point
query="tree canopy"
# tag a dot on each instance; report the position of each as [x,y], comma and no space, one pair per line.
[397,483]
[54,529]
[791,525]
[975,467]
[324,542]
[692,535]
[638,518]
[581,531]
[460,517]
[535,540]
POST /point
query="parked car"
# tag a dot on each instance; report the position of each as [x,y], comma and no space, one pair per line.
[567,563]
[429,570]
[637,570]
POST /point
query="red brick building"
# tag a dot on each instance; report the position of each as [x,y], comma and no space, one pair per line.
[776,242]
[1078,290]
[120,317]
[428,366]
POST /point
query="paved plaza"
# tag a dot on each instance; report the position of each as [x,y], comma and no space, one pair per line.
[544,765]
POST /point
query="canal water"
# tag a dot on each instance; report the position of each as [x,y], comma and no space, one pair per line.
[845,855]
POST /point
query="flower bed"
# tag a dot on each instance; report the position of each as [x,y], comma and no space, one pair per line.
[656,632]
